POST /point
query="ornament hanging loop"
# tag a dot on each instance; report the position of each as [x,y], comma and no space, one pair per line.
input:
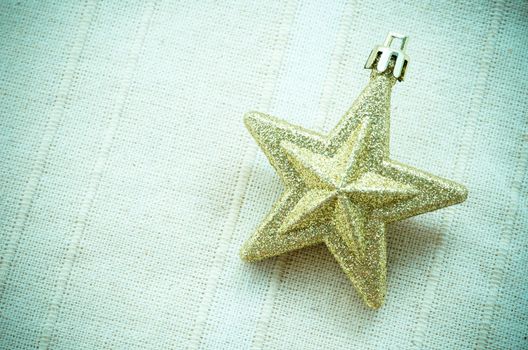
[385,57]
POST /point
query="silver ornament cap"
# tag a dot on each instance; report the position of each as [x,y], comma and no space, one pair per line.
[385,57]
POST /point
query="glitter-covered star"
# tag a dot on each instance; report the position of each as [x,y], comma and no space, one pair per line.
[342,189]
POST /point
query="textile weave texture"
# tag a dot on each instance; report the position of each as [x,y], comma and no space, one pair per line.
[128,182]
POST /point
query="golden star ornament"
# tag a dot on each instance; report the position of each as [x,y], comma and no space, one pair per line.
[341,188]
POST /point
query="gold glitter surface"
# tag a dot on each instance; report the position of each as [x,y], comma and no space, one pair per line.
[342,189]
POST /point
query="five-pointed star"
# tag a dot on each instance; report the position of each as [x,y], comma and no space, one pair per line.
[342,189]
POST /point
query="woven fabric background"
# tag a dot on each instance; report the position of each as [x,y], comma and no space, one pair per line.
[128,182]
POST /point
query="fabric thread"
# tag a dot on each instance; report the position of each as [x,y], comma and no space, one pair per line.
[38,168]
[246,172]
[46,336]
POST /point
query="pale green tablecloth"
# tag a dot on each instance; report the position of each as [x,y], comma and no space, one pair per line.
[128,181]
